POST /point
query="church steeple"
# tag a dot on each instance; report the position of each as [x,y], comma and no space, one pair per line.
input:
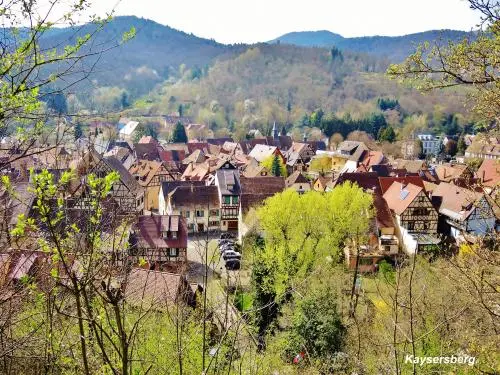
[275,131]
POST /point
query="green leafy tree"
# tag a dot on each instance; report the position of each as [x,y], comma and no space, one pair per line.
[275,165]
[145,130]
[316,117]
[179,134]
[124,100]
[387,134]
[318,326]
[451,147]
[386,103]
[461,146]
[321,164]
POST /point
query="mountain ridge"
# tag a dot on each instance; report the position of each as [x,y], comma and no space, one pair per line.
[394,48]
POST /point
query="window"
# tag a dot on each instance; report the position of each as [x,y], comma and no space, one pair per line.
[410,225]
[174,234]
[186,214]
[420,211]
[213,223]
[235,199]
[200,213]
[173,252]
[227,199]
[214,212]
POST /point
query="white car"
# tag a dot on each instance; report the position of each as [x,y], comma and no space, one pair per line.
[231,254]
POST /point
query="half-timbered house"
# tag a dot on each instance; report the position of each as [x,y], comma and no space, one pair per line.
[227,181]
[126,195]
[463,212]
[159,239]
[416,217]
[149,175]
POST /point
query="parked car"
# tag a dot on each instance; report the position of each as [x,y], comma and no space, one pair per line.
[226,247]
[231,254]
[227,236]
[233,264]
[225,241]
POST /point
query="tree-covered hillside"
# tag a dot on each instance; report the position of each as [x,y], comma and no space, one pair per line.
[284,83]
[156,53]
[394,48]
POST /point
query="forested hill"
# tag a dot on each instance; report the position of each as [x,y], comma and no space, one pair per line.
[393,48]
[159,52]
[152,56]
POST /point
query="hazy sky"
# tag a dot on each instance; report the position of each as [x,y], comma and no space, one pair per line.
[230,21]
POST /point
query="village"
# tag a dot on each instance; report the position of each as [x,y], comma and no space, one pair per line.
[171,197]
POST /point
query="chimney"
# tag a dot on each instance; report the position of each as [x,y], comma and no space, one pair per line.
[305,138]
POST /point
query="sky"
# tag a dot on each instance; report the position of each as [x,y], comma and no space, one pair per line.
[233,21]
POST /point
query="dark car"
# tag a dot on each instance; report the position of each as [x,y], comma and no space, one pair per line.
[233,264]
[227,236]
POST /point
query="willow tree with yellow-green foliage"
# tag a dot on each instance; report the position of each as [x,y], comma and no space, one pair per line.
[303,234]
[473,62]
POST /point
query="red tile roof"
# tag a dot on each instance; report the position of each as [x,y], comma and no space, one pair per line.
[399,196]
[489,173]
[386,182]
[151,228]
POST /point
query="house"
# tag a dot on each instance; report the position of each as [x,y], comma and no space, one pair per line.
[126,193]
[227,181]
[463,212]
[298,155]
[254,169]
[196,172]
[298,182]
[413,166]
[127,131]
[149,175]
[167,187]
[199,205]
[449,172]
[372,158]
[255,190]
[159,239]
[488,175]
[123,154]
[416,217]
[263,152]
[147,151]
[157,290]
[348,155]
[484,148]
[322,183]
[431,145]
